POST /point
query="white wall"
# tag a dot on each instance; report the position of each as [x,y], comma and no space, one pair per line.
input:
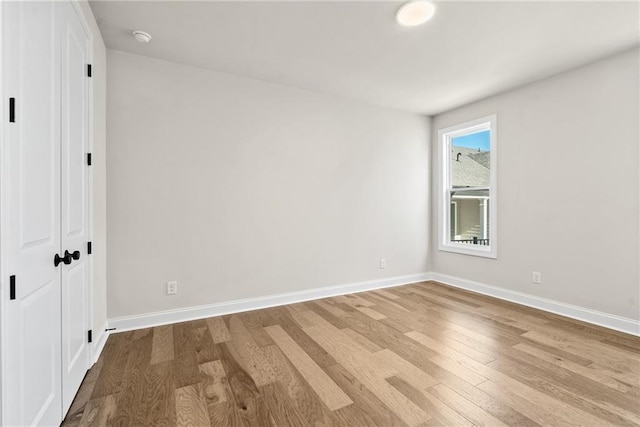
[99,176]
[568,188]
[238,188]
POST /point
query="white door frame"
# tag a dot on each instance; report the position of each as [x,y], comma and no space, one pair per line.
[3,268]
[3,219]
[87,30]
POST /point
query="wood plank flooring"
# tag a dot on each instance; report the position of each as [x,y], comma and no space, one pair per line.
[422,354]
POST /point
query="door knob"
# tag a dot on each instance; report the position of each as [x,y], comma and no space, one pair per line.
[66,259]
[75,254]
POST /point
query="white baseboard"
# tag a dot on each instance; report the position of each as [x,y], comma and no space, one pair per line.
[100,342]
[147,320]
[199,312]
[599,318]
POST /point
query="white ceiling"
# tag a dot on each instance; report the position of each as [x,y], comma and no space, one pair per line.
[469,50]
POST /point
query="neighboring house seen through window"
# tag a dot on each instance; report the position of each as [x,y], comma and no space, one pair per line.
[467,214]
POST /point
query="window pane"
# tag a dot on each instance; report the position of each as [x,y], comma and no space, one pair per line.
[470,160]
[472,223]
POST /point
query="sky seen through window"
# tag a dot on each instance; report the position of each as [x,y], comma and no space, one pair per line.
[476,140]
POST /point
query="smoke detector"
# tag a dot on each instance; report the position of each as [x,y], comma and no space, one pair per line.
[141,36]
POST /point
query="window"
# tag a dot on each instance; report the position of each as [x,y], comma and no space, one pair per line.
[467,208]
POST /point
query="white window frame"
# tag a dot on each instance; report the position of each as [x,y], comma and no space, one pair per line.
[455,215]
[444,155]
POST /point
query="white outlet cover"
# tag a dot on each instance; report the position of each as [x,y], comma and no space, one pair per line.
[172,288]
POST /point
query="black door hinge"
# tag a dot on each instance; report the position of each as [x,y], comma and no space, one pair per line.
[90,335]
[88,248]
[12,110]
[88,70]
[12,287]
[88,159]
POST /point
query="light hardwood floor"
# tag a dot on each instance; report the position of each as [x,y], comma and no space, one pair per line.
[422,354]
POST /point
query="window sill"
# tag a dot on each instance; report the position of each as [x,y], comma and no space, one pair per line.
[485,252]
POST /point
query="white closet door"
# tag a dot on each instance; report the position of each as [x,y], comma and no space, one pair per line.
[31,334]
[74,201]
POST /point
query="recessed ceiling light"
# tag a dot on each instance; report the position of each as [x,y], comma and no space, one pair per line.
[141,36]
[415,13]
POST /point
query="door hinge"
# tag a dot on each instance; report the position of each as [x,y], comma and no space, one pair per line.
[90,335]
[12,287]
[12,110]
[88,70]
[88,248]
[88,159]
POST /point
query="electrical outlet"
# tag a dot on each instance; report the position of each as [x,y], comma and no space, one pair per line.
[172,288]
[536,277]
[383,263]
